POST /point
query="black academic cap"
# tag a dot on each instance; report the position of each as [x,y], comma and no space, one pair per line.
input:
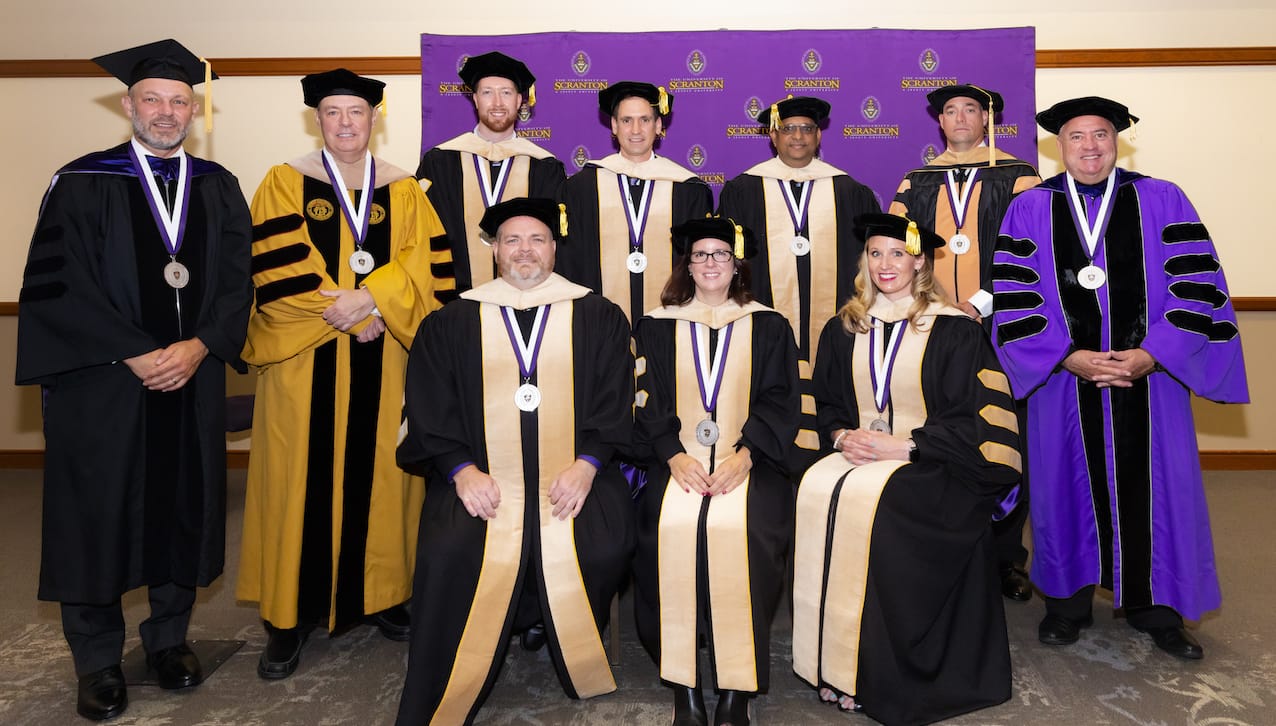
[554,215]
[611,96]
[340,82]
[816,109]
[1052,119]
[743,244]
[984,97]
[477,67]
[161,59]
[917,238]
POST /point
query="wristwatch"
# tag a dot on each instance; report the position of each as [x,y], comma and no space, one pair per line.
[913,454]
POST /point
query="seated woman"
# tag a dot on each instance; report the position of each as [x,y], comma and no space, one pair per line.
[716,413]
[896,603]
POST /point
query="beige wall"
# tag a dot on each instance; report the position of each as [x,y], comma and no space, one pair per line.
[1205,128]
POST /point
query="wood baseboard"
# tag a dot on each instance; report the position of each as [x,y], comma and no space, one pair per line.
[1218,460]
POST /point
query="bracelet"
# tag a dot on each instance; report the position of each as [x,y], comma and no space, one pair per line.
[838,439]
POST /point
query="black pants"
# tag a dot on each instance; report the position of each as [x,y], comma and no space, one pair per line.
[1079,605]
[96,632]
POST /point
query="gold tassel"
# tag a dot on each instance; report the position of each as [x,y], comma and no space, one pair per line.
[562,220]
[531,95]
[913,239]
[662,104]
[208,95]
[739,240]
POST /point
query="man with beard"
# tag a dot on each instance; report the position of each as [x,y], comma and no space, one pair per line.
[135,298]
[465,175]
[518,394]
[801,210]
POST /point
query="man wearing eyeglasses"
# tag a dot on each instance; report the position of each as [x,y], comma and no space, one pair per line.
[801,209]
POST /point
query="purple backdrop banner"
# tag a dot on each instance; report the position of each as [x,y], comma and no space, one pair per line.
[875,80]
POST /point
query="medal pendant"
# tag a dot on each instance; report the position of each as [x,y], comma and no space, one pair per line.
[959,244]
[176,275]
[361,262]
[879,425]
[707,432]
[527,397]
[1091,277]
[800,246]
[636,262]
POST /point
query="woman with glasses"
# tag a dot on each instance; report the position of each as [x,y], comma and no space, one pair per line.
[896,599]
[716,413]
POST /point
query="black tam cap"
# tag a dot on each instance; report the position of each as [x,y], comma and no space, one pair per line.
[611,96]
[743,244]
[478,67]
[552,214]
[916,238]
[1053,118]
[161,59]
[340,82]
[982,96]
[816,109]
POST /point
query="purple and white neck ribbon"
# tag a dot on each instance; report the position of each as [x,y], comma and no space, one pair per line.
[171,223]
[709,375]
[882,362]
[358,217]
[492,193]
[529,351]
[797,207]
[960,202]
[637,218]
[1091,233]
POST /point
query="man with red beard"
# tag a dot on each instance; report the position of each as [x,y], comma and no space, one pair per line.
[465,175]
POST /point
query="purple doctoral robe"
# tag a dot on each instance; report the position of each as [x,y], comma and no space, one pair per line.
[1118,499]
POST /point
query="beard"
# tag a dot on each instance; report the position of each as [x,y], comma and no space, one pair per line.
[167,142]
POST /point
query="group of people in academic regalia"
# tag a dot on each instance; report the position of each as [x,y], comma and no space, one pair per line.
[488,396]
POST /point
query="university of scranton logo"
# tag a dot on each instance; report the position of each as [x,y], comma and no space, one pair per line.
[929,153]
[929,60]
[580,156]
[319,210]
[752,108]
[811,61]
[580,63]
[695,156]
[695,62]
[870,108]
[377,215]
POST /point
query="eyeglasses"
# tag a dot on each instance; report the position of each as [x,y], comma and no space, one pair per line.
[791,129]
[700,256]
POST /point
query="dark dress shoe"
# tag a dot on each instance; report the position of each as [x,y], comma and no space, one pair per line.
[688,707]
[732,710]
[1015,584]
[102,694]
[1177,642]
[533,638]
[177,667]
[394,623]
[282,653]
[1056,629]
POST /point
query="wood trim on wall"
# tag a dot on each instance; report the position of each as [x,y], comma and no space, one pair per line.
[1220,460]
[411,65]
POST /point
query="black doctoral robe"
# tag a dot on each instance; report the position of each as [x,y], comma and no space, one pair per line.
[692,576]
[135,481]
[926,637]
[478,581]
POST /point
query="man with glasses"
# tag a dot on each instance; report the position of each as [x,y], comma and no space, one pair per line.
[801,209]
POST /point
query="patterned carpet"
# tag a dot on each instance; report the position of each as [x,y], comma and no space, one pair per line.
[1112,676]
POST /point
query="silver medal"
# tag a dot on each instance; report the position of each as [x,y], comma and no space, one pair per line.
[176,275]
[362,262]
[636,262]
[800,246]
[1091,277]
[959,244]
[527,397]
[707,432]
[880,425]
